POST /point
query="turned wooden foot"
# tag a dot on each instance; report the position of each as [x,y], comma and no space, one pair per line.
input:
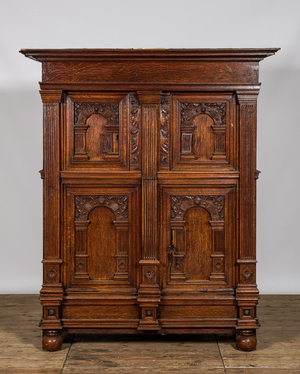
[52,340]
[246,340]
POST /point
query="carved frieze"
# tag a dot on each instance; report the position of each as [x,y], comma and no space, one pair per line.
[213,204]
[117,204]
[84,110]
[189,111]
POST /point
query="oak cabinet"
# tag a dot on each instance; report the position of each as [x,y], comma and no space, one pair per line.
[149,191]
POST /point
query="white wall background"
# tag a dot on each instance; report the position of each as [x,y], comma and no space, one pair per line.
[150,24]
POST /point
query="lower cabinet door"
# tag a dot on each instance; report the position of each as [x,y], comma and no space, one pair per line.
[198,254]
[101,255]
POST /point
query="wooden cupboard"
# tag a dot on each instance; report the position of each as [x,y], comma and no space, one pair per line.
[149,191]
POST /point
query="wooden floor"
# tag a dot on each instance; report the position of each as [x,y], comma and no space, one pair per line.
[278,350]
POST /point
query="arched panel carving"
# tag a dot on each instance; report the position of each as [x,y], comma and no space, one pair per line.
[189,111]
[117,204]
[84,110]
[197,141]
[213,204]
[116,229]
[106,142]
[191,226]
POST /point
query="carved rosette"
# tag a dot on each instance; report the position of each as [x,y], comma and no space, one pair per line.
[165,109]
[149,274]
[82,111]
[213,204]
[135,113]
[217,112]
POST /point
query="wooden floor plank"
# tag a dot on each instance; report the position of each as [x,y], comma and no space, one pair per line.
[262,371]
[21,339]
[153,354]
[142,370]
[277,351]
[278,338]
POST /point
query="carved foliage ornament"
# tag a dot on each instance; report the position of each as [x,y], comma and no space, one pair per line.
[135,113]
[165,128]
[213,204]
[117,204]
[109,111]
[189,111]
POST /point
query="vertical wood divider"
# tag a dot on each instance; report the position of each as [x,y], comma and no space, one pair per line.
[247,293]
[149,292]
[51,293]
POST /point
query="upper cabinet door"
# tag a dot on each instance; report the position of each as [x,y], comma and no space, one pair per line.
[96,133]
[201,129]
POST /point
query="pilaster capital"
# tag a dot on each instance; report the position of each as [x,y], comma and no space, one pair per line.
[149,97]
[51,96]
[247,96]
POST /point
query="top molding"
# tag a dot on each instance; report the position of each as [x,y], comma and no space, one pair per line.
[98,55]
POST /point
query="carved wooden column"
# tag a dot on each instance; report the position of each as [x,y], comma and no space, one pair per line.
[51,293]
[149,292]
[247,293]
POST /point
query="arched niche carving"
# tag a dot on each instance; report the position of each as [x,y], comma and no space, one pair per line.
[84,110]
[117,204]
[213,149]
[189,111]
[213,204]
[109,137]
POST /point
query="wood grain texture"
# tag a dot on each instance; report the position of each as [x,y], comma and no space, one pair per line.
[203,145]
[102,244]
[150,192]
[197,262]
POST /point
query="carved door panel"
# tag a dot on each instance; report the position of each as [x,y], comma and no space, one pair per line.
[102,241]
[97,131]
[197,239]
[202,131]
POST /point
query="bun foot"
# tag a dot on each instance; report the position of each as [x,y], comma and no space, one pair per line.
[246,340]
[52,340]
